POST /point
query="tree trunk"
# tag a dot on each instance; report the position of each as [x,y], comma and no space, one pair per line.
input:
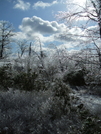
[2,49]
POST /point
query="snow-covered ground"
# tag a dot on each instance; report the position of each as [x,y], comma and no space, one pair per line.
[92,102]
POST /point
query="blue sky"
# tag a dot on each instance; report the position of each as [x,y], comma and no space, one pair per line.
[15,10]
[33,18]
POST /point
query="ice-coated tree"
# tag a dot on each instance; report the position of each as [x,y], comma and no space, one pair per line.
[22,47]
[87,18]
[6,32]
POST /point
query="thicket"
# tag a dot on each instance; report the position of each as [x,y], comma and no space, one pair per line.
[27,81]
[41,80]
[31,103]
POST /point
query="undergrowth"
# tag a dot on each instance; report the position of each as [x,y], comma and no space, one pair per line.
[40,112]
[30,104]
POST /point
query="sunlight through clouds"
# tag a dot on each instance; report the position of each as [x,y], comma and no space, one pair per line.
[80,2]
[76,4]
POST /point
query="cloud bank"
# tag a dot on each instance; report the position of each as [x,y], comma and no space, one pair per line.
[50,32]
[45,30]
[36,24]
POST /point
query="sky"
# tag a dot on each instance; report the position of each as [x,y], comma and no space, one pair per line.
[37,19]
[16,10]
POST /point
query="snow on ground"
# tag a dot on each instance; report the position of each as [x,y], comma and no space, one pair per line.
[92,102]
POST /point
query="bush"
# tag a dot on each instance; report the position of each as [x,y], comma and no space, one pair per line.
[21,80]
[75,78]
[5,77]
[25,81]
[61,97]
[91,125]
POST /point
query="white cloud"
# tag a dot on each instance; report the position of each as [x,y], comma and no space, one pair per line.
[38,25]
[50,32]
[43,4]
[45,30]
[73,35]
[22,5]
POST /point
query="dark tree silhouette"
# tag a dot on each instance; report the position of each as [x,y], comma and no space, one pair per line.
[6,32]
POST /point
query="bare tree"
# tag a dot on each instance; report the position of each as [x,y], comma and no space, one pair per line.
[90,12]
[97,17]
[22,47]
[6,32]
[41,52]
